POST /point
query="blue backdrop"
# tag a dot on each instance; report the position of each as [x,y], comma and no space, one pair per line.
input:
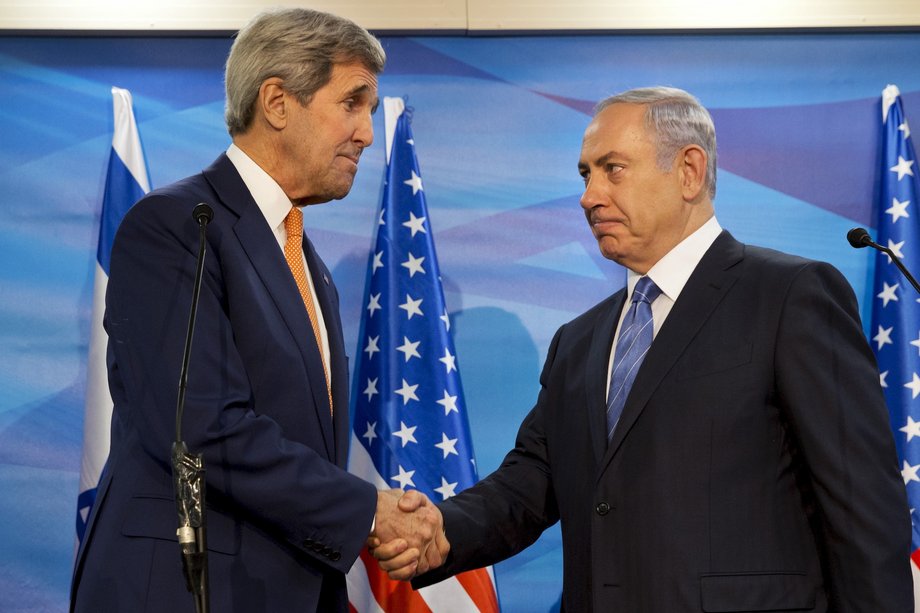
[497,124]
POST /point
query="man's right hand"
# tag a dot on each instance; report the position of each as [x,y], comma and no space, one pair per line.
[408,538]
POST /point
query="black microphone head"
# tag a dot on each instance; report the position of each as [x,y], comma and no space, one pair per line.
[202,213]
[858,237]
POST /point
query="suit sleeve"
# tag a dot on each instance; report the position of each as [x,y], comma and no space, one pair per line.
[827,383]
[508,510]
[257,469]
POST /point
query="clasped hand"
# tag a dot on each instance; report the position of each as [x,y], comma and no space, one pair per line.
[408,537]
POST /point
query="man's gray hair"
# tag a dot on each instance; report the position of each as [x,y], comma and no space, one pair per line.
[677,119]
[300,47]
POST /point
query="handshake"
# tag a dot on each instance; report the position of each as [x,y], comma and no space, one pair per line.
[408,537]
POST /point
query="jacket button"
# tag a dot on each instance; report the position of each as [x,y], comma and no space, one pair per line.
[335,556]
[602,508]
[308,543]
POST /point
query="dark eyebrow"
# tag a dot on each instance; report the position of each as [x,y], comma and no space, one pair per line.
[583,166]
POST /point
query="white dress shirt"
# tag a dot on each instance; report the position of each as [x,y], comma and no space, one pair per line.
[275,206]
[670,274]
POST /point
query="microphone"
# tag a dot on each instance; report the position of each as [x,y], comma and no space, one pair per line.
[202,213]
[188,469]
[859,238]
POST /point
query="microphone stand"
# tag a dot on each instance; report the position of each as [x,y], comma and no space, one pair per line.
[188,469]
[859,238]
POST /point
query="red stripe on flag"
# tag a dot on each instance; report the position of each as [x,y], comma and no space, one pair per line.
[478,584]
[391,595]
[915,556]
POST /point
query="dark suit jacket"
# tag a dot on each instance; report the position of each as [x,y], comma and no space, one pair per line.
[753,468]
[285,520]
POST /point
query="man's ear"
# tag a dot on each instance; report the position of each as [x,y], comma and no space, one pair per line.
[692,168]
[272,103]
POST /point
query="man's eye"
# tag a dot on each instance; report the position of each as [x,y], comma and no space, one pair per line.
[612,169]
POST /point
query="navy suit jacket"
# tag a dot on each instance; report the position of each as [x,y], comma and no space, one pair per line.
[753,468]
[285,521]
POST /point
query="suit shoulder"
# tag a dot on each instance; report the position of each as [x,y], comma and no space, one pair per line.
[780,273]
[173,198]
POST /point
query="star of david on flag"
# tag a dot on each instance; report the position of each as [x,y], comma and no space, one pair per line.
[410,423]
[895,329]
[126,182]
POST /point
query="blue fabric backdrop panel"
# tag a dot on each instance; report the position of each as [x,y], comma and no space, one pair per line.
[498,124]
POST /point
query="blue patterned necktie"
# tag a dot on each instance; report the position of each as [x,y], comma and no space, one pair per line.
[636,334]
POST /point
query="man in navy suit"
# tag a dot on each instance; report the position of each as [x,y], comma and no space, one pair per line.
[751,467]
[267,399]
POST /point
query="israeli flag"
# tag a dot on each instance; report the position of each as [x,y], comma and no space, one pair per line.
[125,184]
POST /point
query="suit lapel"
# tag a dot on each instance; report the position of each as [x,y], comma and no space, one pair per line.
[260,245]
[705,288]
[596,375]
[338,369]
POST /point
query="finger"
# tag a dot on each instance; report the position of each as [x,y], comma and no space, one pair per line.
[403,574]
[412,500]
[372,542]
[391,549]
[409,557]
[443,545]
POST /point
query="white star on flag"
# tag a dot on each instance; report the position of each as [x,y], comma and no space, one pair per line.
[881,379]
[883,337]
[905,129]
[412,307]
[407,392]
[447,489]
[404,478]
[448,402]
[909,473]
[888,293]
[373,304]
[903,168]
[371,433]
[447,445]
[372,347]
[914,386]
[898,209]
[414,265]
[450,362]
[416,224]
[896,249]
[912,428]
[371,389]
[415,182]
[409,348]
[378,262]
[916,343]
[405,433]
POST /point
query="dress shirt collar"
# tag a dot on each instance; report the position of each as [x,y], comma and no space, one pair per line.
[671,272]
[269,196]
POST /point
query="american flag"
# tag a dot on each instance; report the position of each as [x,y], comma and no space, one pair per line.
[410,423]
[125,184]
[896,312]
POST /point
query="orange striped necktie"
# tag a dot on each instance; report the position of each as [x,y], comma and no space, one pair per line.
[293,253]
